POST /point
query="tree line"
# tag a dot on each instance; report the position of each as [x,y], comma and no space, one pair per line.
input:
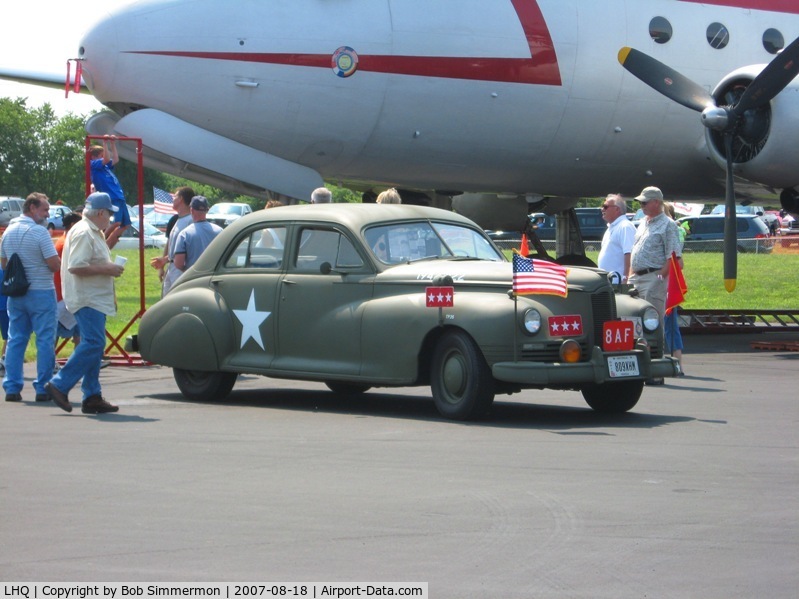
[40,151]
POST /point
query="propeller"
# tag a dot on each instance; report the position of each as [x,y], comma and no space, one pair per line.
[729,120]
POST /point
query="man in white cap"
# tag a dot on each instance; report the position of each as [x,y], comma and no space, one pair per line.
[87,277]
[655,240]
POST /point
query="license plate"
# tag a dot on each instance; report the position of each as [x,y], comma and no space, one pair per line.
[622,366]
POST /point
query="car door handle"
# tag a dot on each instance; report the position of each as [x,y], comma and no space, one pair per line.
[289,282]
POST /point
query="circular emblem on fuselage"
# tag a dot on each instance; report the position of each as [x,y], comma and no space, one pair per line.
[345,61]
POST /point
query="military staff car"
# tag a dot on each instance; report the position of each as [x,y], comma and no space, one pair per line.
[363,295]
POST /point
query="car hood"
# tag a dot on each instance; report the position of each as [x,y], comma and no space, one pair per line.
[479,272]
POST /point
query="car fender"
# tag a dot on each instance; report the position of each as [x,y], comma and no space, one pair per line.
[187,330]
[395,328]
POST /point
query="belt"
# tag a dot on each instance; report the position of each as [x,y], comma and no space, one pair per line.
[645,271]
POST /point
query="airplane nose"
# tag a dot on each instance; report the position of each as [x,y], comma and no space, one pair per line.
[99,53]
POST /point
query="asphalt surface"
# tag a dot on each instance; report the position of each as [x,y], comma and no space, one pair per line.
[693,494]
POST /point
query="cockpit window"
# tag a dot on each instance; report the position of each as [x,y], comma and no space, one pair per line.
[660,30]
[718,36]
[773,41]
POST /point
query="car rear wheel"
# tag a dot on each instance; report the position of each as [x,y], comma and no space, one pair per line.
[462,385]
[198,385]
[347,388]
[613,398]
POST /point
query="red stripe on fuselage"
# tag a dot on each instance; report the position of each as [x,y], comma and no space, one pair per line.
[540,69]
[789,6]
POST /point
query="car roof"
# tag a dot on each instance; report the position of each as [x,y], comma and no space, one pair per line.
[352,216]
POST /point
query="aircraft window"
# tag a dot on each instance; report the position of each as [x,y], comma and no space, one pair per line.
[660,30]
[773,41]
[718,36]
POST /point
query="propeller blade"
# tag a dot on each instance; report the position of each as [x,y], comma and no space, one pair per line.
[771,80]
[730,225]
[665,80]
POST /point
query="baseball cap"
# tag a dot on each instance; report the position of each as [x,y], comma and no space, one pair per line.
[100,200]
[650,193]
[199,203]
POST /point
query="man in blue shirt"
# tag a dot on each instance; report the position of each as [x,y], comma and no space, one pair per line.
[193,240]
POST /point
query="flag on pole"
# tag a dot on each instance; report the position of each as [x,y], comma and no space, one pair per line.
[677,287]
[538,276]
[162,201]
[524,250]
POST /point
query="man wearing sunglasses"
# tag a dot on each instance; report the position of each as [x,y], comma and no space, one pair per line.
[617,242]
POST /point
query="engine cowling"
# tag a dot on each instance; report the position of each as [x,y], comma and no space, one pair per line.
[764,147]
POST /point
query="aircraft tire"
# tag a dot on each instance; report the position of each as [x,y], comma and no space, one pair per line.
[462,384]
[198,385]
[613,398]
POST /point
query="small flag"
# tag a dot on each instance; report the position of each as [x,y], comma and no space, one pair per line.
[440,297]
[677,287]
[524,250]
[162,201]
[538,276]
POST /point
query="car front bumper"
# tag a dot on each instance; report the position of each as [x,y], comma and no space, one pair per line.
[595,370]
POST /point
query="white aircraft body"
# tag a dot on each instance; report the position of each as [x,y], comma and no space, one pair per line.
[515,97]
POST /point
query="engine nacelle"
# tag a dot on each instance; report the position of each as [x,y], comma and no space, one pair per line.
[765,150]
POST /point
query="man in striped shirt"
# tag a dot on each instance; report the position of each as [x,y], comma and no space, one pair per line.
[34,312]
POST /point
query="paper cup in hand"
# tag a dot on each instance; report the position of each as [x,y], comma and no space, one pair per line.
[120,260]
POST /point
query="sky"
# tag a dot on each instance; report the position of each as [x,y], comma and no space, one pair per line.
[41,35]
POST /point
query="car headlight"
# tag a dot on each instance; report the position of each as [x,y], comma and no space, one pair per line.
[531,321]
[651,319]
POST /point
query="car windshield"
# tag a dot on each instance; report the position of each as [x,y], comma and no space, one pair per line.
[722,209]
[406,242]
[225,209]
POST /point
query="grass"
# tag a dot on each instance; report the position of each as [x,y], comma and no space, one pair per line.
[765,282]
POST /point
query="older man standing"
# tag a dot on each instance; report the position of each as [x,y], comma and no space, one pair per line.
[655,241]
[617,242]
[34,312]
[87,275]
[321,195]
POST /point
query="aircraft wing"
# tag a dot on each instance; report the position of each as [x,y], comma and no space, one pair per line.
[38,78]
[180,148]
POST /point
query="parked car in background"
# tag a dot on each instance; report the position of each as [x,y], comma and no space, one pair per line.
[592,227]
[129,240]
[158,219]
[706,233]
[10,207]
[226,213]
[772,221]
[420,295]
[55,222]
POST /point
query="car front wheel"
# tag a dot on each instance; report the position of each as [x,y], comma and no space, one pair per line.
[198,385]
[613,398]
[462,385]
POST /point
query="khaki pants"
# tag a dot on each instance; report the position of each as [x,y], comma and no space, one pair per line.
[653,290]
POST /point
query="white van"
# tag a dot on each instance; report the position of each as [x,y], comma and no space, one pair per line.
[10,207]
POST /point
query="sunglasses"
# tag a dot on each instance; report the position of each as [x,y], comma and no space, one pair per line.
[606,206]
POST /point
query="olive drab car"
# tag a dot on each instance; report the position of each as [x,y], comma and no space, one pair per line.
[359,296]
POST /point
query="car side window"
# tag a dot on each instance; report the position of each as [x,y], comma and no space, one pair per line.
[318,246]
[262,248]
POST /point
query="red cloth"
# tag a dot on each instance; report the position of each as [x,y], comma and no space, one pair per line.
[524,250]
[675,294]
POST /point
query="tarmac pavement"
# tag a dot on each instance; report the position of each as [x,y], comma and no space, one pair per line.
[695,493]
